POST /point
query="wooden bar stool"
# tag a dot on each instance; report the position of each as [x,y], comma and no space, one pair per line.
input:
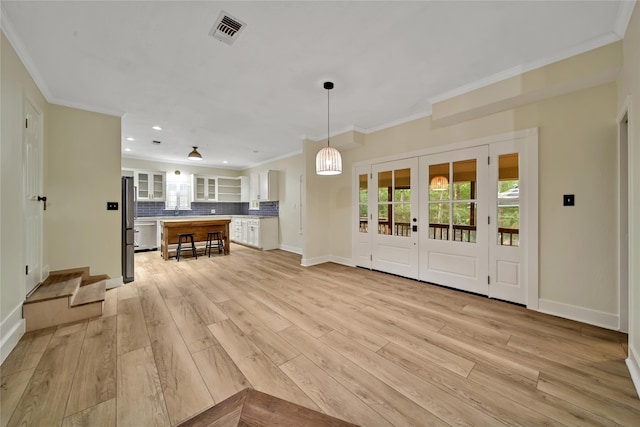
[215,239]
[186,238]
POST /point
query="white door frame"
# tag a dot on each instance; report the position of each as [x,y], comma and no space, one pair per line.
[530,140]
[624,225]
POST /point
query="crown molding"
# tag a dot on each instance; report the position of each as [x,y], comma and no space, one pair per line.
[521,69]
[21,51]
[624,16]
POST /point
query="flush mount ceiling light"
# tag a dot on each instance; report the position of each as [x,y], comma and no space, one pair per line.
[156,127]
[194,155]
[439,183]
[328,159]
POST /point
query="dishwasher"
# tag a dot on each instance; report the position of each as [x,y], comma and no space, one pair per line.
[145,236]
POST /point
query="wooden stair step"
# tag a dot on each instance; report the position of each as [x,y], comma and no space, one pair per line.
[90,293]
[94,279]
[56,286]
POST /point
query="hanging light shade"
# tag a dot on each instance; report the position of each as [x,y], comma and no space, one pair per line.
[328,159]
[194,155]
[439,183]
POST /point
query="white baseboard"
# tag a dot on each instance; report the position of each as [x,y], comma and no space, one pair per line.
[581,314]
[308,262]
[633,363]
[11,330]
[291,249]
[114,283]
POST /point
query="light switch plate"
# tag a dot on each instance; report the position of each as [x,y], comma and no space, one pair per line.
[569,200]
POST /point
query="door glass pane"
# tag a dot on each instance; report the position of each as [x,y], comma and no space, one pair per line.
[508,200]
[464,228]
[402,216]
[402,185]
[384,223]
[439,182]
[384,186]
[439,221]
[464,180]
[364,207]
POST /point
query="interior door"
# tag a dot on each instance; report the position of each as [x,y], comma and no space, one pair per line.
[454,216]
[32,188]
[394,214]
[507,233]
[363,216]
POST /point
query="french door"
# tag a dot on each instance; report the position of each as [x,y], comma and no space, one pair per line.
[464,218]
[393,217]
[454,218]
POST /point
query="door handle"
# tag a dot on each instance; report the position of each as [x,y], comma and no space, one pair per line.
[44,200]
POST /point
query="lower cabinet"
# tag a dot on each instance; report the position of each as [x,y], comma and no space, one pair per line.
[261,233]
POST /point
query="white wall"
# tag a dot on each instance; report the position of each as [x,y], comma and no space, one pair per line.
[185,169]
[290,170]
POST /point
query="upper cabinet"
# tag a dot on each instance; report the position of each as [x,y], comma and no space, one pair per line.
[204,188]
[264,186]
[220,189]
[150,185]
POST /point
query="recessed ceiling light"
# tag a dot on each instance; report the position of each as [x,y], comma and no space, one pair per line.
[225,162]
[127,149]
[156,127]
[130,139]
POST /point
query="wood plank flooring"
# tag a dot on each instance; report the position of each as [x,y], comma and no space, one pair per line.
[366,347]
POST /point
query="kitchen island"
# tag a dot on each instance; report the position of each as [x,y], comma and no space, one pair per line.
[169,230]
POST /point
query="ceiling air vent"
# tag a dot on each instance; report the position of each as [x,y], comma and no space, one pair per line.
[227,28]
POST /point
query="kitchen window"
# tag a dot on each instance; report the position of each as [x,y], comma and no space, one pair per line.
[178,193]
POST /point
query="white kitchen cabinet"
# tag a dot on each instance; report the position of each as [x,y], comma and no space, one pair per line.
[232,189]
[150,185]
[263,187]
[204,188]
[261,233]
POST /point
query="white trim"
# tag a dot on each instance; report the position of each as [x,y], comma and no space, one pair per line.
[524,68]
[624,16]
[580,314]
[531,247]
[308,262]
[114,283]
[292,249]
[21,51]
[633,364]
[487,140]
[400,121]
[11,330]
[622,251]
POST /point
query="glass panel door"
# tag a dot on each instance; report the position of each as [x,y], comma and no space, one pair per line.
[394,246]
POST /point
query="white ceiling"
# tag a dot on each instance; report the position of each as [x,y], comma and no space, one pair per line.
[154,63]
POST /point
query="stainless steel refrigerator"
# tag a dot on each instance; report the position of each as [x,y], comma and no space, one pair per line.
[128,215]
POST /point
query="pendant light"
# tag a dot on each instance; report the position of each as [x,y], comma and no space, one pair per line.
[194,155]
[328,159]
[439,183]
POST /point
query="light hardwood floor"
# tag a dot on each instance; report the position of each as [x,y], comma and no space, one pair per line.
[366,347]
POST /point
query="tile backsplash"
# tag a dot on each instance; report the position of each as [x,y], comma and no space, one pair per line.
[151,209]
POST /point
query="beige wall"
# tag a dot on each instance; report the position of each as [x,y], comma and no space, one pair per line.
[577,154]
[15,85]
[629,84]
[83,174]
[290,169]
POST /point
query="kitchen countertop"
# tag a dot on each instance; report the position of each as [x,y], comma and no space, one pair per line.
[198,217]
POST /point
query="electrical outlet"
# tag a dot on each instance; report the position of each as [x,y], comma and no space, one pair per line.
[112,206]
[213,211]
